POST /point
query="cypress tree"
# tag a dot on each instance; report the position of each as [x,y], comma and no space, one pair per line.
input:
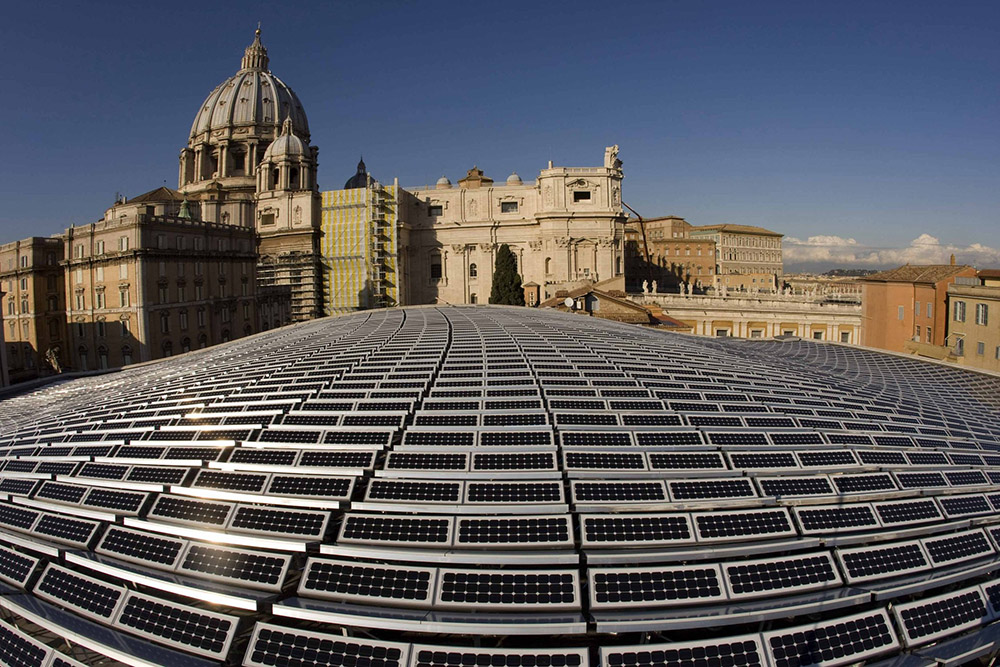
[507,288]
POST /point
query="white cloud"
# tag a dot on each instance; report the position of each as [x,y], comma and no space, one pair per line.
[835,251]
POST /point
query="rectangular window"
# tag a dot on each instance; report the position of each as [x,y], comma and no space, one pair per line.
[581,196]
[960,347]
[818,335]
[181,294]
[124,327]
[122,243]
[930,337]
[980,348]
[845,336]
[163,268]
[930,309]
[101,329]
[24,261]
[163,294]
[436,269]
[508,207]
[996,354]
[164,323]
[959,314]
[99,300]
[982,314]
[721,333]
[916,333]
[184,320]
[246,311]
[99,274]
[80,302]
[123,300]
[267,219]
[435,211]
[24,283]
[198,293]
[899,313]
[100,247]
[180,269]
[201,317]
[78,250]
[161,241]
[916,308]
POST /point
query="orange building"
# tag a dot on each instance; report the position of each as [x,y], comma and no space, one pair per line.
[908,305]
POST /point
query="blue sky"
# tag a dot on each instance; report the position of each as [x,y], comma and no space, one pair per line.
[867,132]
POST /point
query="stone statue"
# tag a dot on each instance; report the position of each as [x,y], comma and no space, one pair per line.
[645,287]
[611,160]
[52,356]
[654,287]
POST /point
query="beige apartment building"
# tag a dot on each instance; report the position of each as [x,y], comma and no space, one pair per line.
[746,257]
[565,229]
[34,305]
[974,321]
[674,257]
[149,281]
[906,309]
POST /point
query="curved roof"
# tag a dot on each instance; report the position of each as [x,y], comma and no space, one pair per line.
[252,97]
[504,486]
[360,177]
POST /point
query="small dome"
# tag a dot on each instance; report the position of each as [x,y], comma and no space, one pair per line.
[288,145]
[443,183]
[360,179]
[514,179]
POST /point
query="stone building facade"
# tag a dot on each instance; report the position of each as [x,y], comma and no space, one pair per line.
[34,305]
[564,228]
[746,257]
[763,316]
[149,281]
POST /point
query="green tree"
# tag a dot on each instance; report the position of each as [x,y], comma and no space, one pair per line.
[507,288]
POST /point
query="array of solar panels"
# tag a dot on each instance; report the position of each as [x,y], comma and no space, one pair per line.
[494,486]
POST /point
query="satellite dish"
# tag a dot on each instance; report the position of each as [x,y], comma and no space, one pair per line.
[569,302]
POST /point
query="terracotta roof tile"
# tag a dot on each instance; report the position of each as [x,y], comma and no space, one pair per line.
[917,273]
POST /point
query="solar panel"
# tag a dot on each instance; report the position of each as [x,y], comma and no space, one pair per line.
[620,530]
[508,589]
[831,519]
[278,646]
[835,641]
[932,618]
[456,656]
[369,583]
[958,547]
[190,628]
[85,595]
[616,588]
[741,651]
[402,530]
[743,525]
[514,532]
[787,574]
[878,562]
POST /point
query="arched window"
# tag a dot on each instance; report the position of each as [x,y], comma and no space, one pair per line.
[202,341]
[293,178]
[225,335]
[186,345]
[247,330]
[102,358]
[473,270]
[548,266]
[473,298]
[168,348]
[82,354]
[126,355]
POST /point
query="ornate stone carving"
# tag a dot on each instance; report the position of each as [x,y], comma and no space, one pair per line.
[473,208]
[458,248]
[535,245]
[486,247]
[563,241]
